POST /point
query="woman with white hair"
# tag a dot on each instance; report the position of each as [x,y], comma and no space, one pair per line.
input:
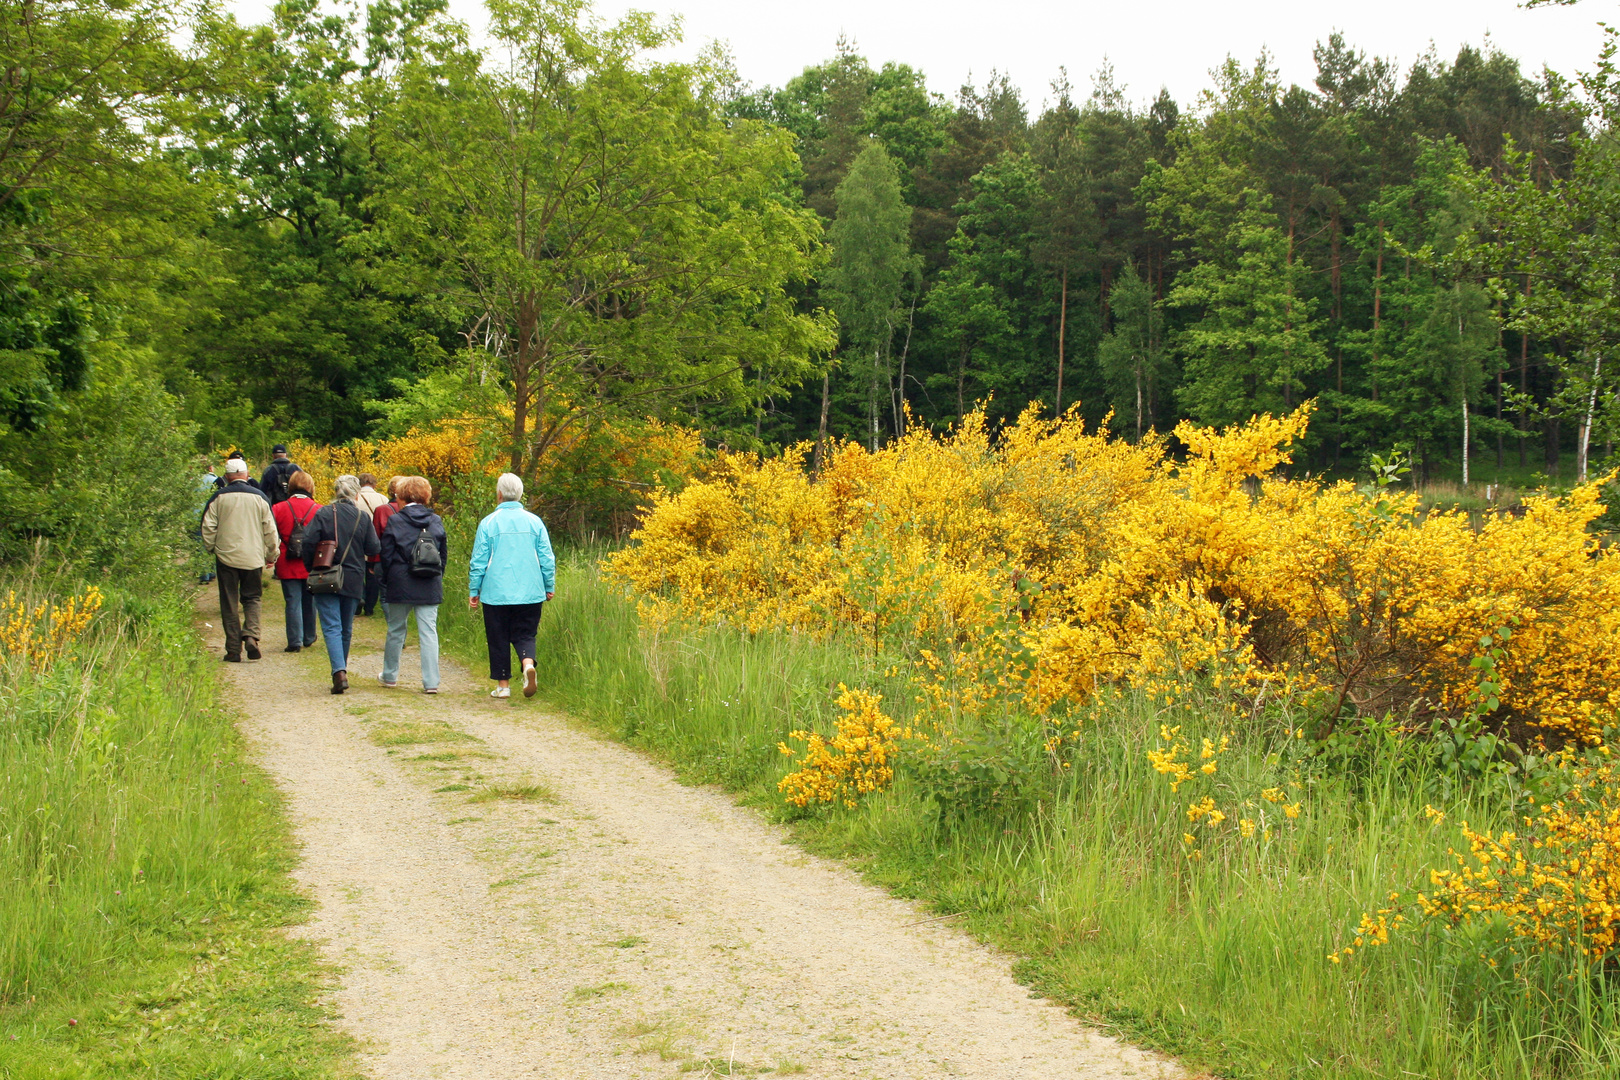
[336,543]
[512,573]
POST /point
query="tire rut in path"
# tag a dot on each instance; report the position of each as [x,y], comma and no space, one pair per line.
[629,927]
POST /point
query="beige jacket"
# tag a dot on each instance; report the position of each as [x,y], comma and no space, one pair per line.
[371,498]
[239,529]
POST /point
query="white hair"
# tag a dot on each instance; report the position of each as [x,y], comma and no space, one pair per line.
[346,486]
[509,488]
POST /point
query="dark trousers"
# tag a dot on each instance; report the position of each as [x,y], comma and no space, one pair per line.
[300,608]
[508,627]
[373,587]
[239,593]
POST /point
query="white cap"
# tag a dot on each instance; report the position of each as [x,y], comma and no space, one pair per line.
[235,465]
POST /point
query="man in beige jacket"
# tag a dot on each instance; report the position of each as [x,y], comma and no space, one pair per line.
[240,532]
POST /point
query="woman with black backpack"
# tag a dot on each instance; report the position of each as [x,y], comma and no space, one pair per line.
[335,548]
[414,550]
[294,515]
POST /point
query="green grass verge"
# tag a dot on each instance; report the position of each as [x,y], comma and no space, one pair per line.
[144,889]
[1221,962]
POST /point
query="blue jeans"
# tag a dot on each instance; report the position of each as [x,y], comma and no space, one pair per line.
[337,627]
[300,612]
[427,635]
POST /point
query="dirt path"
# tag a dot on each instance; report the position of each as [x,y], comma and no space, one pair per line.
[608,922]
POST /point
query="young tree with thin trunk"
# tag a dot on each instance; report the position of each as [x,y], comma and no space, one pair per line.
[1132,356]
[871,262]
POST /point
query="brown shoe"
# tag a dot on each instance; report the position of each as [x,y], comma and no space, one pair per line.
[252,648]
[340,681]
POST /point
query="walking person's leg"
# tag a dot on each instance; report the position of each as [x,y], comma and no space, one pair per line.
[252,593]
[330,611]
[230,613]
[373,587]
[525,624]
[500,646]
[347,607]
[394,645]
[309,613]
[292,601]
[427,643]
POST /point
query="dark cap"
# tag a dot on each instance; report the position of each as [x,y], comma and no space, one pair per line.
[278,449]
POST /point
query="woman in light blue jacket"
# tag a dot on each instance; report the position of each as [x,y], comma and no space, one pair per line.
[512,573]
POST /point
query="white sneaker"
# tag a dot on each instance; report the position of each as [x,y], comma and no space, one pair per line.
[528,681]
[501,691]
[385,682]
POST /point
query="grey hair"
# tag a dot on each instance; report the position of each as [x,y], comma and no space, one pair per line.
[346,486]
[509,488]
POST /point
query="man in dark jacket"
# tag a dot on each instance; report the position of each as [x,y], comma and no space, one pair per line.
[276,475]
[344,523]
[414,579]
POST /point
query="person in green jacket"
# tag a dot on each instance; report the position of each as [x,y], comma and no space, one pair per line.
[512,573]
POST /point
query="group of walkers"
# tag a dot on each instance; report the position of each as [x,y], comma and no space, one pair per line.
[340,560]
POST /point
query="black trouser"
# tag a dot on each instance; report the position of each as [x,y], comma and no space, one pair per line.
[508,627]
[373,588]
[239,593]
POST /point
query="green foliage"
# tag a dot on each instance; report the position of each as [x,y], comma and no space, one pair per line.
[871,261]
[991,303]
[615,244]
[295,320]
[1134,361]
[111,482]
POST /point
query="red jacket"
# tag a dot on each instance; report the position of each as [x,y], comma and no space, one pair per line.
[379,518]
[302,509]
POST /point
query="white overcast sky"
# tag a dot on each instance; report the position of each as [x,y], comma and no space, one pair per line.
[1151,43]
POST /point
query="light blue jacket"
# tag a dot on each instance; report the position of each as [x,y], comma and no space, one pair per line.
[512,561]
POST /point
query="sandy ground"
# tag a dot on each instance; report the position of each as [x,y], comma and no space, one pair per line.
[612,924]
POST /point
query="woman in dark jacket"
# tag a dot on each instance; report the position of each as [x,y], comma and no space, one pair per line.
[412,580]
[347,524]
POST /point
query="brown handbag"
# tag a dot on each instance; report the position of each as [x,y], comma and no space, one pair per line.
[325,554]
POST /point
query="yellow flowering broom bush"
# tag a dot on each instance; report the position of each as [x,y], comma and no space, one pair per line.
[613,465]
[1043,565]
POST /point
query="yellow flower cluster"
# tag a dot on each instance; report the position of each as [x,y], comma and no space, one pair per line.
[1048,562]
[1172,759]
[1557,885]
[1373,929]
[38,634]
[857,761]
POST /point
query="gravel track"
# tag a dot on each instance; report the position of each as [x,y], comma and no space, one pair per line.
[613,923]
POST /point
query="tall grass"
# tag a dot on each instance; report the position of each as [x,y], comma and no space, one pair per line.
[1222,960]
[143,863]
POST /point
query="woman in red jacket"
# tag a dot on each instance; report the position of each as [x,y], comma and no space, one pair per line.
[298,510]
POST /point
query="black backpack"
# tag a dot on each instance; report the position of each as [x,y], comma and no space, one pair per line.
[425,560]
[295,539]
